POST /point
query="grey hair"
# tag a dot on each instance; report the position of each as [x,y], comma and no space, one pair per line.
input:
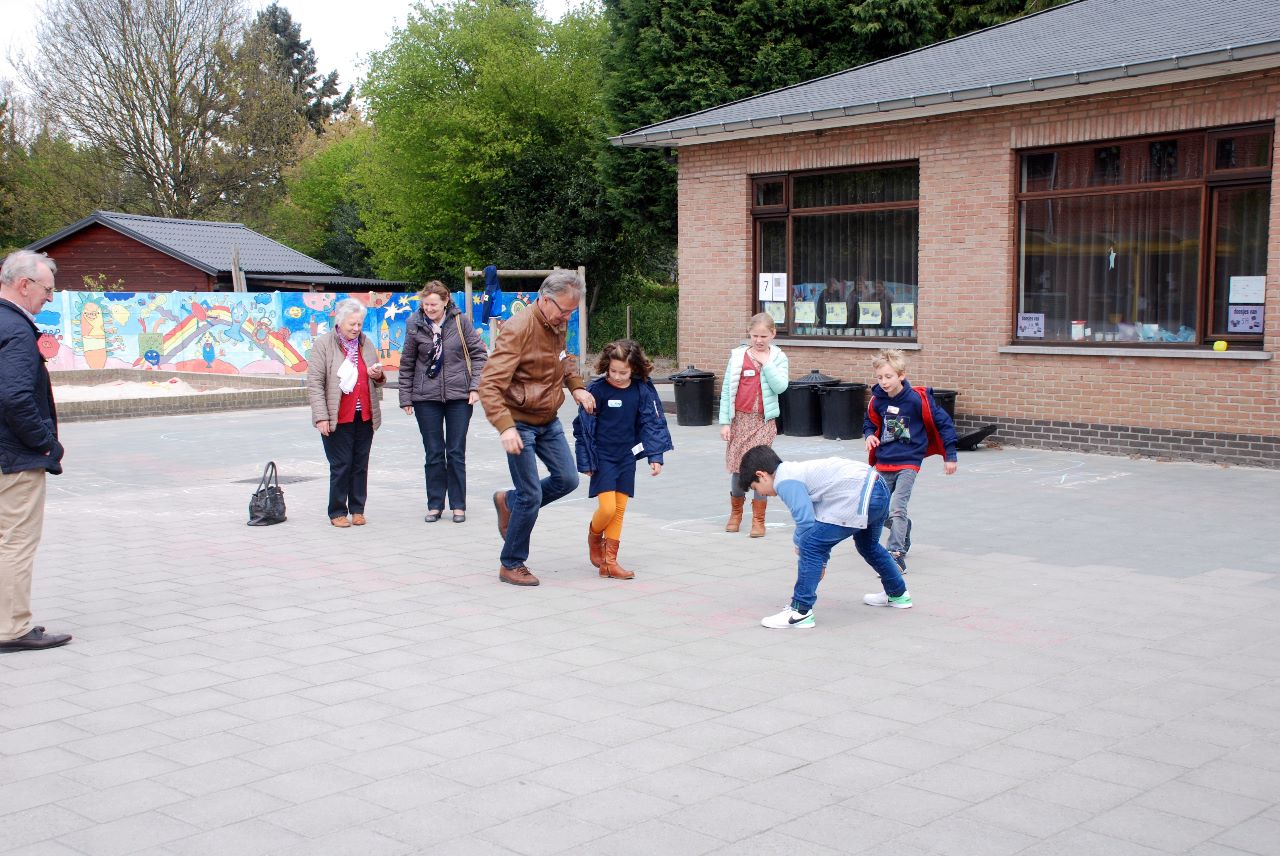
[346,308]
[561,282]
[24,263]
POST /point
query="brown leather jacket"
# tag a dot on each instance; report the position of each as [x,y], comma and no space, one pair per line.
[527,372]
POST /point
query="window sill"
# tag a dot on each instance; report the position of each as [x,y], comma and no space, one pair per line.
[865,344]
[1176,353]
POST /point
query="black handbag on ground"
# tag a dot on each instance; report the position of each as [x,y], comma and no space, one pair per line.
[267,505]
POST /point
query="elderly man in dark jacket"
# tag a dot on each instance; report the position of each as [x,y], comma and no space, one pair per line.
[29,445]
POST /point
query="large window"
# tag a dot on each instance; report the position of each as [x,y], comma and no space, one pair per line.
[836,252]
[1159,241]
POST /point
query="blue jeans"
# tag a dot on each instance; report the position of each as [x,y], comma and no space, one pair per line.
[821,539]
[900,483]
[544,443]
[443,425]
[347,448]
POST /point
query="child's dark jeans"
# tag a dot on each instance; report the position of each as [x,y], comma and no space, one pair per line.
[821,539]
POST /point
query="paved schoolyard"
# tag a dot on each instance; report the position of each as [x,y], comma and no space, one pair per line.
[1092,665]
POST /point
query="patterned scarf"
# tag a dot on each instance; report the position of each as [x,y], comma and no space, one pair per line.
[353,348]
[437,347]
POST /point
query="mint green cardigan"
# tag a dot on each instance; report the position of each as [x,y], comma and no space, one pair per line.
[774,377]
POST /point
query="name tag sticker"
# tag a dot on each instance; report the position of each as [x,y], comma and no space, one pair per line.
[637,448]
[892,408]
[562,355]
[615,402]
[749,373]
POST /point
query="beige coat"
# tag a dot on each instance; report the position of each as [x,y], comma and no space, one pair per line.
[322,378]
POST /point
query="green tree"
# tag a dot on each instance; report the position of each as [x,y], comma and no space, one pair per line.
[173,92]
[668,58]
[318,96]
[320,214]
[489,122]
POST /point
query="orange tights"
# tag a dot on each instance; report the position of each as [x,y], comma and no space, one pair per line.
[608,516]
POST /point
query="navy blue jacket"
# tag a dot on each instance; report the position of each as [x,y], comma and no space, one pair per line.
[28,421]
[653,428]
[924,428]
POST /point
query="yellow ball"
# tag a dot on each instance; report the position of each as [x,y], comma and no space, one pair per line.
[1219,345]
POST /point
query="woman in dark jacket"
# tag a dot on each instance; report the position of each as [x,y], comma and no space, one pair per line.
[440,368]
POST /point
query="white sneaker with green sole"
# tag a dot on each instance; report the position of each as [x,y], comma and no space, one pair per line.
[902,601]
[788,619]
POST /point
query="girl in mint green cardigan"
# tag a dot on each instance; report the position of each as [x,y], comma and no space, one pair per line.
[756,375]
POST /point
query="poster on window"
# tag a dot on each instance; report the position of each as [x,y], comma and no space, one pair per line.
[1247,289]
[765,286]
[777,311]
[780,287]
[837,313]
[870,312]
[1244,319]
[1030,325]
[806,312]
[902,314]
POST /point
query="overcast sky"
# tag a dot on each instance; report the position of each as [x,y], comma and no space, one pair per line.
[342,33]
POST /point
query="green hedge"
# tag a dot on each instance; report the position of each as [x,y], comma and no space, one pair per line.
[654,308]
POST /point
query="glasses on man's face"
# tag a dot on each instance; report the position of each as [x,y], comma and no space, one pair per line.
[47,289]
[563,312]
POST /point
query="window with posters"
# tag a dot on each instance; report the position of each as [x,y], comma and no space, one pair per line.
[1158,241]
[836,251]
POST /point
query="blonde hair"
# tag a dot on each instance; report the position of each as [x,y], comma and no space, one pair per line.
[893,358]
[762,318]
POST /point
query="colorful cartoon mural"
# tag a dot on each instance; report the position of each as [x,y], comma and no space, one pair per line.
[227,333]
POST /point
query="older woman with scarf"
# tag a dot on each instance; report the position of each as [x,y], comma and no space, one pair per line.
[440,365]
[344,380]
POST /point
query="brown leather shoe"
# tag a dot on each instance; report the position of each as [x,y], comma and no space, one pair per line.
[735,513]
[517,576]
[611,568]
[504,516]
[340,522]
[595,546]
[757,517]
[358,520]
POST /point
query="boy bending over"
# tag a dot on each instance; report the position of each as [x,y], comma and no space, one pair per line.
[831,499]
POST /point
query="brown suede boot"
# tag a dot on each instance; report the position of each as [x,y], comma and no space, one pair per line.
[735,513]
[595,546]
[610,568]
[757,517]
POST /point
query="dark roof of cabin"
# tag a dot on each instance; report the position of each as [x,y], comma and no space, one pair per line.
[202,244]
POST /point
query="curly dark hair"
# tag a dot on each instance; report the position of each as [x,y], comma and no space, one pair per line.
[629,352]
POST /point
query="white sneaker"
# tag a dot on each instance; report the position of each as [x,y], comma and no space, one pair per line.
[788,618]
[902,601]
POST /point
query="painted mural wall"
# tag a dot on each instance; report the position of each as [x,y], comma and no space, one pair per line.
[268,333]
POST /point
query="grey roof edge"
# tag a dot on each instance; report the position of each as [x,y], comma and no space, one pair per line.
[103,218]
[638,131]
[107,218]
[1217,56]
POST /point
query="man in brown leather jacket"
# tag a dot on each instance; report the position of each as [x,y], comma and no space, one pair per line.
[521,390]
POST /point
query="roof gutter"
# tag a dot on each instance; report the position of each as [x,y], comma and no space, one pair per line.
[1221,61]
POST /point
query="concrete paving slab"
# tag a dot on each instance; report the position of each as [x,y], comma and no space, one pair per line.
[1092,666]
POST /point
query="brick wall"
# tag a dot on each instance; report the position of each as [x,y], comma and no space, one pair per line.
[98,249]
[967,271]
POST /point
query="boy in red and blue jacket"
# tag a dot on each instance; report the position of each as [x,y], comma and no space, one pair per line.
[903,426]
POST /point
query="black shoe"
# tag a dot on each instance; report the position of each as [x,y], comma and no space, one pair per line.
[432,516]
[36,639]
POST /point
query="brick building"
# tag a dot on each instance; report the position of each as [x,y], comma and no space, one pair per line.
[154,254]
[1059,217]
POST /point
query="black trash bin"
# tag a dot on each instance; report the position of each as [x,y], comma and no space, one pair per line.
[693,396]
[801,411]
[843,406]
[946,398]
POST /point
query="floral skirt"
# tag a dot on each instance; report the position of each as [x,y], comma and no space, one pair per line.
[747,431]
